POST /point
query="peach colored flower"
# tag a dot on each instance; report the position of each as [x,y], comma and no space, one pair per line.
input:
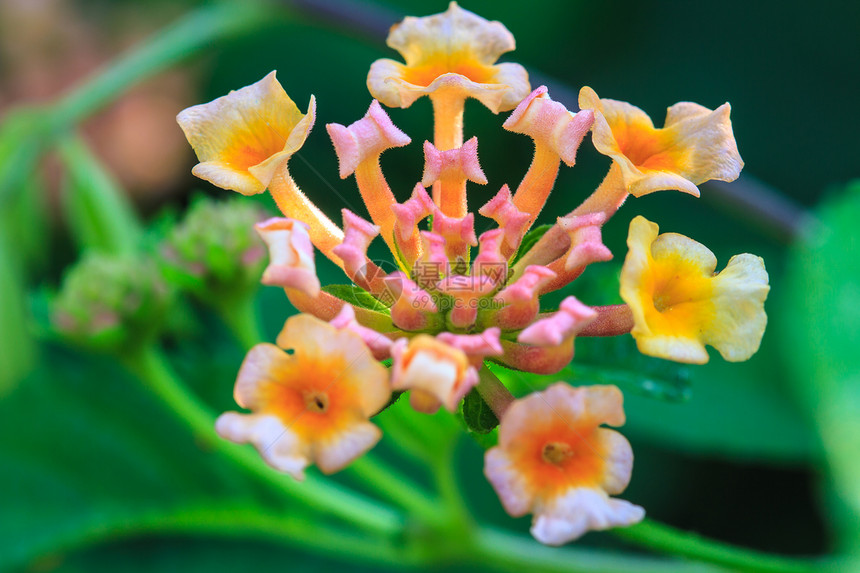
[554,460]
[311,406]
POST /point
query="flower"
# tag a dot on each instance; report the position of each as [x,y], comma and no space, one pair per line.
[435,372]
[241,139]
[454,52]
[679,304]
[291,255]
[695,145]
[312,405]
[555,461]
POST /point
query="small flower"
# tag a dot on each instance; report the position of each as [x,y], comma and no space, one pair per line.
[291,255]
[311,406]
[435,372]
[679,304]
[241,139]
[695,145]
[555,461]
[455,52]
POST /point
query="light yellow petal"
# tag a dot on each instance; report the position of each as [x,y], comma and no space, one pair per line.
[678,304]
[739,294]
[695,145]
[277,444]
[455,52]
[257,127]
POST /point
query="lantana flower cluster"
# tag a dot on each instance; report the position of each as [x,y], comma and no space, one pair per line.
[458,299]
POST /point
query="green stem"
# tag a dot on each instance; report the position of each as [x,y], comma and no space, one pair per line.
[242,319]
[193,33]
[151,366]
[399,489]
[505,551]
[229,523]
[664,538]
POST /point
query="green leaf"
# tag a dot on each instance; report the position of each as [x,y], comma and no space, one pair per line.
[477,414]
[616,360]
[356,296]
[821,334]
[529,241]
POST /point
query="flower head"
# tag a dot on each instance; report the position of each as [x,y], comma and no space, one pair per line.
[694,145]
[556,461]
[455,52]
[311,406]
[679,304]
[242,138]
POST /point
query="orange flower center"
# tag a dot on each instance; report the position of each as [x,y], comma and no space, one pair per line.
[435,65]
[554,457]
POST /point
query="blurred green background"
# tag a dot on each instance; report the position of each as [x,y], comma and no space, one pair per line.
[756,456]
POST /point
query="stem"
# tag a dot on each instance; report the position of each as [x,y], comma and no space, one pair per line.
[240,316]
[612,320]
[664,538]
[393,485]
[325,235]
[193,33]
[151,367]
[494,393]
[510,552]
[378,198]
[538,182]
[229,523]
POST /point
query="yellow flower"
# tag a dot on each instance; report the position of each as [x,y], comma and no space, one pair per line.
[679,304]
[454,51]
[556,461]
[312,405]
[241,139]
[695,145]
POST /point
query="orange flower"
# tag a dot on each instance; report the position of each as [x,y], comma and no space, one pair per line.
[695,145]
[454,51]
[242,138]
[312,405]
[555,461]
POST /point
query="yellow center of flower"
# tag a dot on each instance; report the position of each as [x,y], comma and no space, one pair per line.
[557,453]
[434,65]
[312,398]
[676,297]
[554,456]
[649,148]
[316,401]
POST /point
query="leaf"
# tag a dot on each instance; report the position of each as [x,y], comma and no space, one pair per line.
[529,241]
[477,414]
[356,296]
[85,449]
[628,368]
[820,323]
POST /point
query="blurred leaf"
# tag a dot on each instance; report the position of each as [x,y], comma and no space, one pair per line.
[86,452]
[18,347]
[97,210]
[822,341]
[356,296]
[20,148]
[616,360]
[477,414]
[529,241]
